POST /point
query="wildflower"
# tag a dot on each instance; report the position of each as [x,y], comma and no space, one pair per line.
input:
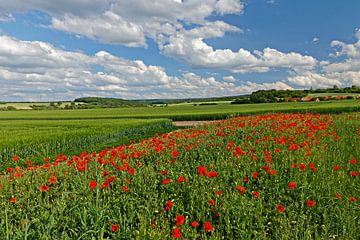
[44,188]
[208,227]
[179,220]
[131,171]
[164,173]
[310,203]
[352,199]
[302,167]
[114,227]
[212,174]
[194,224]
[125,189]
[52,180]
[168,205]
[338,196]
[105,173]
[353,161]
[15,158]
[240,189]
[256,194]
[255,175]
[336,168]
[353,174]
[202,170]
[13,199]
[292,185]
[181,179]
[273,172]
[177,233]
[166,181]
[92,184]
[212,202]
[280,208]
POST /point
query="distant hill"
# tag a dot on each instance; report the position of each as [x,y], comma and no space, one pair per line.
[96,102]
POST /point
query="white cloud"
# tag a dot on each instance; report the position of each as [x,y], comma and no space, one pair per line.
[191,48]
[166,21]
[229,79]
[108,28]
[342,73]
[39,71]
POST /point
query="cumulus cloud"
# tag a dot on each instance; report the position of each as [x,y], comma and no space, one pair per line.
[341,73]
[167,22]
[33,71]
[188,45]
[229,79]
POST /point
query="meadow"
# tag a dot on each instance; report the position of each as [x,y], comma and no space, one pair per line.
[187,111]
[272,176]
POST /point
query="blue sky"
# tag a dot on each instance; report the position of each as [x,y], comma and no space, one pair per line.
[174,49]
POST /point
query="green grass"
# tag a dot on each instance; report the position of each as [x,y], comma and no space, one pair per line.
[43,138]
[187,112]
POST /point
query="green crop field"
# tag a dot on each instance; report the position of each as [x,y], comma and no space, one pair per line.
[46,138]
[186,112]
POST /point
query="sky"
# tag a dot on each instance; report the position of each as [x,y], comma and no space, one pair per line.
[61,50]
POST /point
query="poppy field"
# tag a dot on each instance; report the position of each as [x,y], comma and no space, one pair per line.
[272,176]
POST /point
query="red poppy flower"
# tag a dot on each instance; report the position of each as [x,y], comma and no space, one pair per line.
[125,189]
[181,179]
[114,227]
[338,196]
[131,171]
[266,168]
[13,199]
[280,208]
[336,168]
[15,158]
[273,172]
[44,188]
[166,181]
[212,174]
[292,185]
[52,180]
[202,170]
[212,202]
[255,175]
[168,205]
[105,173]
[353,199]
[164,173]
[302,167]
[194,224]
[92,184]
[353,174]
[208,227]
[256,194]
[353,161]
[240,189]
[310,203]
[179,220]
[177,233]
